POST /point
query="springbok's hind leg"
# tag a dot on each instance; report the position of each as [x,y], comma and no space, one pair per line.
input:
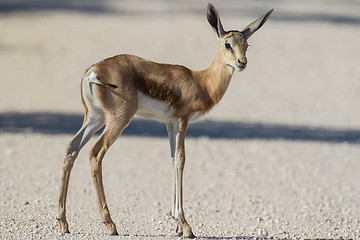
[89,128]
[113,129]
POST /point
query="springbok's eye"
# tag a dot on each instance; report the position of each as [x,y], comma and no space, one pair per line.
[228,46]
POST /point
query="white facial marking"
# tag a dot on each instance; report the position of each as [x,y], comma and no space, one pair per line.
[151,108]
[230,68]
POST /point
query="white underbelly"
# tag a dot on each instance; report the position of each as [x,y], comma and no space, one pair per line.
[149,107]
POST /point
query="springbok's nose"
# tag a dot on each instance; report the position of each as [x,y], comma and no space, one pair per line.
[242,62]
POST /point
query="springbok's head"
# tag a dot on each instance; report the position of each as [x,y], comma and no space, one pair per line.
[233,44]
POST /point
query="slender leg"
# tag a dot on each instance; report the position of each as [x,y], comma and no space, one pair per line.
[179,164]
[110,134]
[172,139]
[89,128]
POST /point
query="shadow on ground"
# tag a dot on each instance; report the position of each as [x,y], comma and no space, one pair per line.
[61,123]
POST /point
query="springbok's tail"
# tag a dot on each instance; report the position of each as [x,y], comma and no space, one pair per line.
[92,79]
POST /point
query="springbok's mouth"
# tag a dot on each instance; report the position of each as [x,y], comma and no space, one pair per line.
[240,67]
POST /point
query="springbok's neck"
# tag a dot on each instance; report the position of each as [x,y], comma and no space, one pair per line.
[215,79]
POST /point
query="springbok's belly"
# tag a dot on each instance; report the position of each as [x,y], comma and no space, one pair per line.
[149,107]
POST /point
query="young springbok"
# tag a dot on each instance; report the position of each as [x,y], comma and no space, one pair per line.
[117,88]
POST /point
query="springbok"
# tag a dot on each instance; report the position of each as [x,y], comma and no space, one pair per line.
[117,88]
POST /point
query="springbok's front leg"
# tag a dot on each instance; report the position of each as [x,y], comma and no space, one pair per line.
[172,140]
[176,131]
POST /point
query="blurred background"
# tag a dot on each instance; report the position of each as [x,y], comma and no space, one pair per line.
[303,64]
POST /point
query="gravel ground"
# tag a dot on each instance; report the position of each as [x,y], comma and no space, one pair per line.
[256,188]
[278,158]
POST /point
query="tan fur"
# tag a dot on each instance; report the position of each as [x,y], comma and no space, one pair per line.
[174,84]
[110,96]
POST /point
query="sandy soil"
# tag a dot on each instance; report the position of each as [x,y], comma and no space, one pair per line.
[277,158]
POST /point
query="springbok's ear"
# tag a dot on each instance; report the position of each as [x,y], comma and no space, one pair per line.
[255,25]
[214,20]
